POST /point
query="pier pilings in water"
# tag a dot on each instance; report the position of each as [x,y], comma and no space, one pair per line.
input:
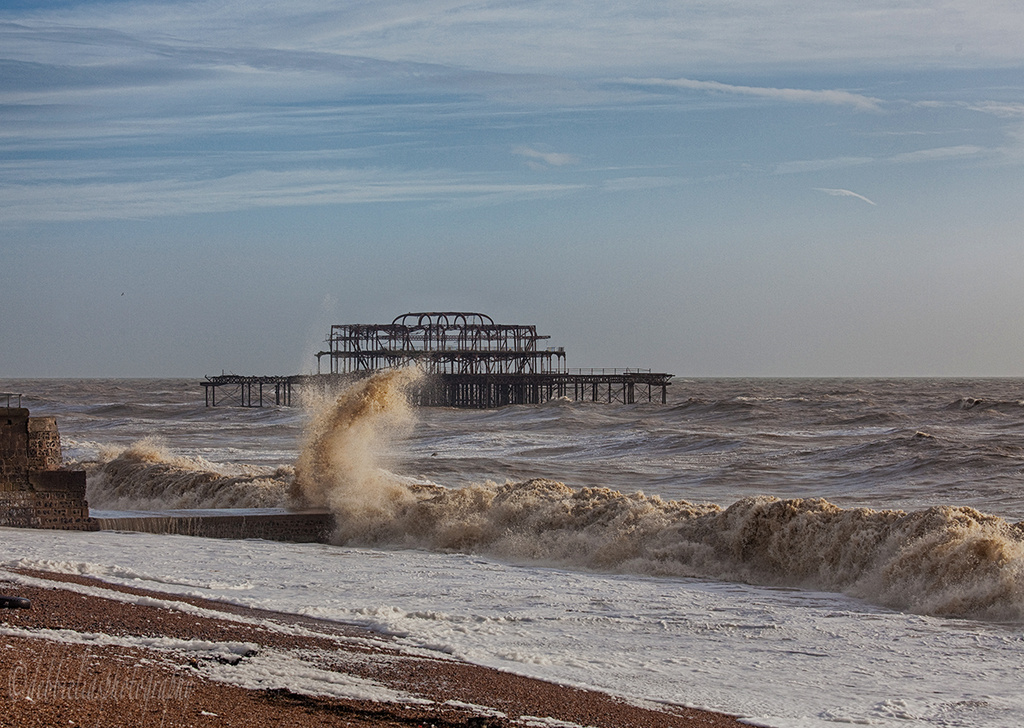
[237,390]
[499,390]
[481,391]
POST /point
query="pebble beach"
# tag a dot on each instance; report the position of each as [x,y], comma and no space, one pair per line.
[88,653]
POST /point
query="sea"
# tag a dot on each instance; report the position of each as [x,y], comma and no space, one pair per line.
[797,552]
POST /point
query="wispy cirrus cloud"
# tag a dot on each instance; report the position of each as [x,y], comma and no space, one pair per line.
[392,88]
[48,197]
[843,193]
[789,95]
[1000,109]
[539,159]
[820,165]
[531,35]
[936,154]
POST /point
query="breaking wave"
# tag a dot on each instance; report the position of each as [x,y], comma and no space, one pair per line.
[944,561]
[145,476]
[987,405]
[338,468]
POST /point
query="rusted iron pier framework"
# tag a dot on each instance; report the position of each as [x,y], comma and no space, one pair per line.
[440,343]
[238,390]
[469,361]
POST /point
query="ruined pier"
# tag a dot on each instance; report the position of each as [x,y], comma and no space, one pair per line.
[238,390]
[468,361]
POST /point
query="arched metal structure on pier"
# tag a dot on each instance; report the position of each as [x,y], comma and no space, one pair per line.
[440,342]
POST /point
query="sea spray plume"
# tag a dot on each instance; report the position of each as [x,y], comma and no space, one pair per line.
[145,476]
[338,467]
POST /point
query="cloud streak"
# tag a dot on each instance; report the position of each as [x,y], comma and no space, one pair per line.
[788,95]
[61,200]
[843,193]
[918,156]
[538,159]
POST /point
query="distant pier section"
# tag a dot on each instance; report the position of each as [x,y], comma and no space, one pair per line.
[246,391]
[469,360]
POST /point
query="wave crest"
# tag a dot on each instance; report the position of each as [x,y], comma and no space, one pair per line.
[942,561]
[145,476]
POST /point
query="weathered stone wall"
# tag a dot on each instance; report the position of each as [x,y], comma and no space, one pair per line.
[54,510]
[18,508]
[34,491]
[13,449]
[43,444]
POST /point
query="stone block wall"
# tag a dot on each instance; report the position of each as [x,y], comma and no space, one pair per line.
[34,491]
[18,509]
[13,449]
[43,444]
[27,509]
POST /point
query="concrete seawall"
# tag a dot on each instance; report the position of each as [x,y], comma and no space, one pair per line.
[304,527]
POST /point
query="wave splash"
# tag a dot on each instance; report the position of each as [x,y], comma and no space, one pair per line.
[944,561]
[145,476]
[346,443]
[338,468]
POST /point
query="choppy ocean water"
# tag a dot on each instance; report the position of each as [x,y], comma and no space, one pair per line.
[802,552]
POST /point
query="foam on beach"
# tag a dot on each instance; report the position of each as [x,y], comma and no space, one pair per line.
[92,650]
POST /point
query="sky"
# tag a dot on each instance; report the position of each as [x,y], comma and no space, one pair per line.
[787,188]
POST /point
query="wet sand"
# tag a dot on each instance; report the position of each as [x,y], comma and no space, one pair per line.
[118,656]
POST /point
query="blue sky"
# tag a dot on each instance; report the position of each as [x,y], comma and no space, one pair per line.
[737,188]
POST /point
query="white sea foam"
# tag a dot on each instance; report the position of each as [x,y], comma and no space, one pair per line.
[779,656]
[228,651]
[244,664]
